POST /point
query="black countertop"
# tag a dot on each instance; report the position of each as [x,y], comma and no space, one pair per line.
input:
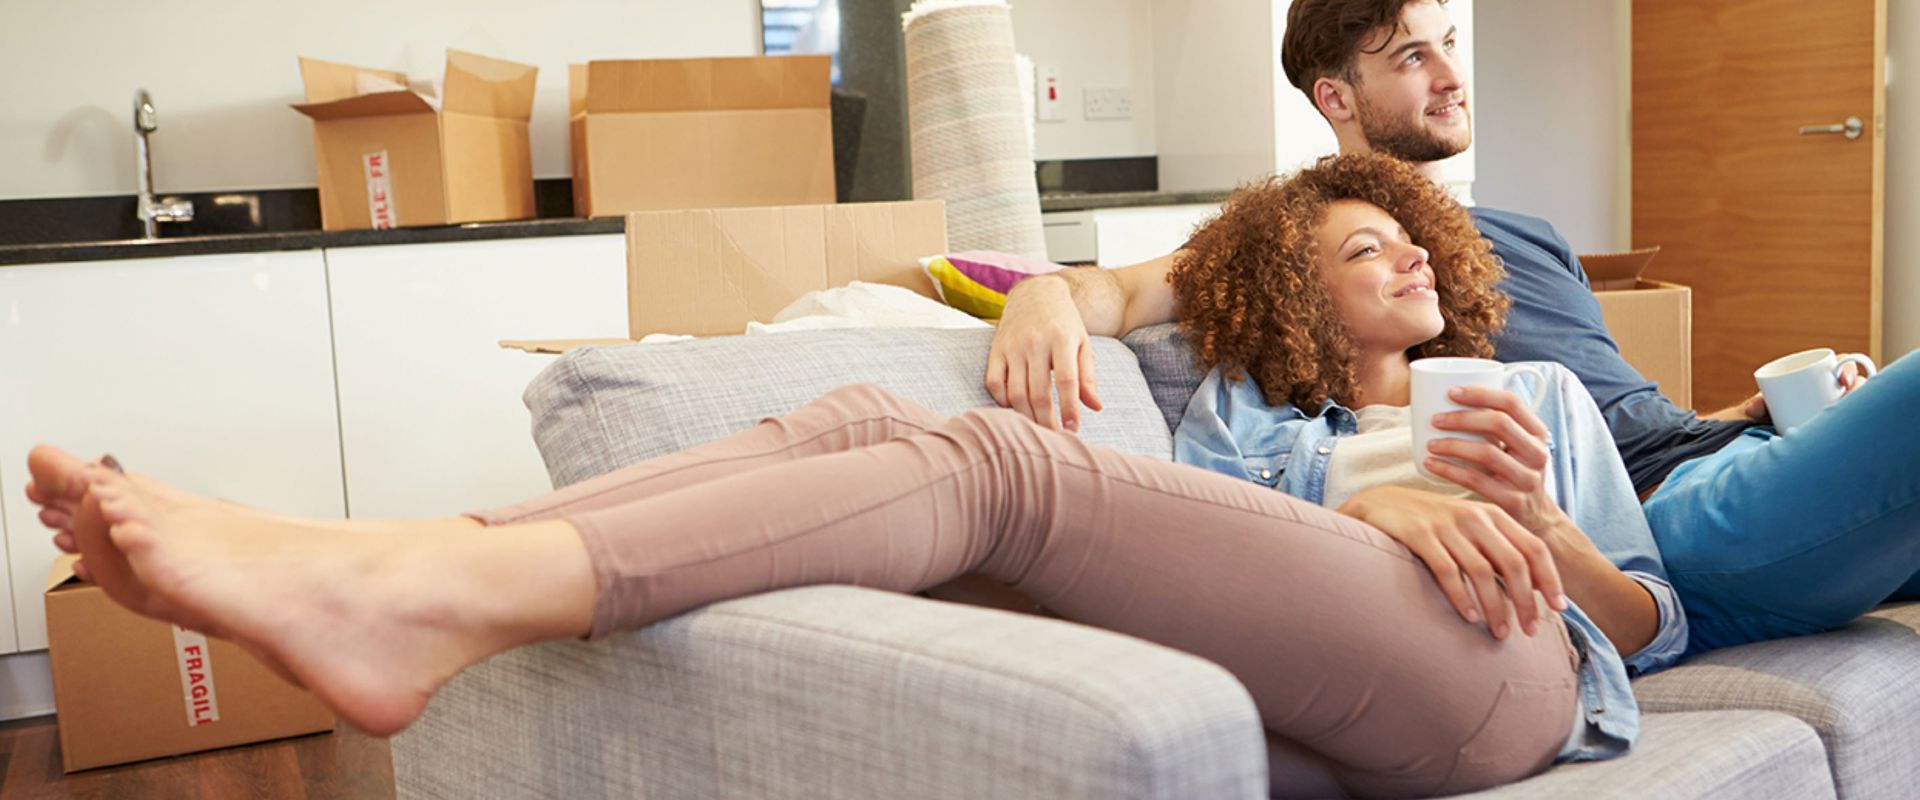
[54,252]
[301,240]
[1083,201]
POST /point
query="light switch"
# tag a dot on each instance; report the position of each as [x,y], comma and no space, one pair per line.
[1048,105]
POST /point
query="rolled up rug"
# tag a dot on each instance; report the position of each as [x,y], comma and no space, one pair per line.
[966,125]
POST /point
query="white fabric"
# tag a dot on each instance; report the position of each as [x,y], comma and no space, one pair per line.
[856,305]
[1381,454]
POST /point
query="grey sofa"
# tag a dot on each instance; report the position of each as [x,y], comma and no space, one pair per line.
[841,692]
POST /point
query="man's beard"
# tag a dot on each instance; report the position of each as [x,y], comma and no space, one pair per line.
[1404,139]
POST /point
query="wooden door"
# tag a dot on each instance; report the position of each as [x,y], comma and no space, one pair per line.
[1777,231]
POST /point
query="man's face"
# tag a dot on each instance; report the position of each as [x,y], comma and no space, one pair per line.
[1410,92]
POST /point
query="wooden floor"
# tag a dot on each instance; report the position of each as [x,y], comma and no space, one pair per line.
[343,764]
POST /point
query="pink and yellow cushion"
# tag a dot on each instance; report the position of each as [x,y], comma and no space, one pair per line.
[977,281]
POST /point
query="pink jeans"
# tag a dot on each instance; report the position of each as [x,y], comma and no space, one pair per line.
[1341,636]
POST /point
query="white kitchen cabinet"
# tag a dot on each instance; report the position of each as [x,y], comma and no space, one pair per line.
[430,412]
[1118,237]
[213,372]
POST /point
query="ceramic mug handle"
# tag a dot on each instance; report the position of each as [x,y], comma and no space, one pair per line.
[1866,365]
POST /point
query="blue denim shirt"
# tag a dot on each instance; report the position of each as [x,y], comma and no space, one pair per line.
[1230,428]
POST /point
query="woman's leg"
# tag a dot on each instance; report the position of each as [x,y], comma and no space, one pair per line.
[843,419]
[1788,535]
[1342,638]
[846,418]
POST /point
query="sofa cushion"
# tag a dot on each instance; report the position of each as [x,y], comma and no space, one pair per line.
[1168,366]
[839,692]
[597,409]
[1858,687]
[1701,754]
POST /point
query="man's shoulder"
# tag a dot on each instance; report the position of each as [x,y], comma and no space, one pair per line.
[1522,241]
[1493,221]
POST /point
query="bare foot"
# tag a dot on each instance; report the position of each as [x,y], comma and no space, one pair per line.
[56,486]
[373,625]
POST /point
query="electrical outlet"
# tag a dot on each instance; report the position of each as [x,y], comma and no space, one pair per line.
[1048,106]
[1109,103]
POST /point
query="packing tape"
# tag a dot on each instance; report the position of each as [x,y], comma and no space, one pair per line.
[380,190]
[196,677]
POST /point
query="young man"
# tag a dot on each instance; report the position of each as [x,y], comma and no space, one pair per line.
[1383,73]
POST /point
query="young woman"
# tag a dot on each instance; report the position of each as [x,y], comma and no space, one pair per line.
[1345,633]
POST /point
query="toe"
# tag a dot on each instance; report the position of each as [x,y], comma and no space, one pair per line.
[57,519]
[54,471]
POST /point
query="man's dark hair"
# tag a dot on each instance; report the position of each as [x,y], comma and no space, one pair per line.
[1323,37]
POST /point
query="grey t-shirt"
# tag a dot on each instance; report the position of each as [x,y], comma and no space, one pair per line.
[1556,318]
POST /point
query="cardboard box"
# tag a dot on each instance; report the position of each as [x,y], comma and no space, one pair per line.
[700,133]
[128,688]
[1652,321]
[710,272]
[388,158]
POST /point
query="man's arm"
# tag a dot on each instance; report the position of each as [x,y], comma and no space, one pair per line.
[1043,343]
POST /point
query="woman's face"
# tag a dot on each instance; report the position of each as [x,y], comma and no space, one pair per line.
[1381,283]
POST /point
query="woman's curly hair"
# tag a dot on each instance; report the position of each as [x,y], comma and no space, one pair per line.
[1253,301]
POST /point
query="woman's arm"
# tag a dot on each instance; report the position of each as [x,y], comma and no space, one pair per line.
[1508,468]
[1621,606]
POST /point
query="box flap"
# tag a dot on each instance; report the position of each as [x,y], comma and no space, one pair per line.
[707,84]
[576,89]
[556,346]
[711,271]
[1611,271]
[779,82]
[62,572]
[489,87]
[367,105]
[327,81]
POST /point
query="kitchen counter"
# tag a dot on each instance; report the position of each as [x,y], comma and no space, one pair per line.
[1083,201]
[54,252]
[301,240]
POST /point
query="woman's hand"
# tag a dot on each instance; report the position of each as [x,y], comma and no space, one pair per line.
[1472,548]
[1509,467]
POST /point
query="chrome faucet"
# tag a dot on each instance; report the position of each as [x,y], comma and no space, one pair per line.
[150,211]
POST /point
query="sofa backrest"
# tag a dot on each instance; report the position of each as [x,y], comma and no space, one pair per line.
[1168,366]
[597,409]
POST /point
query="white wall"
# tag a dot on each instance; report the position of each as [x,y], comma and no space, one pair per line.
[1551,104]
[1901,265]
[1098,44]
[223,71]
[1214,83]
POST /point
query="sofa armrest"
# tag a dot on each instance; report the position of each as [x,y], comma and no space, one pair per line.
[837,691]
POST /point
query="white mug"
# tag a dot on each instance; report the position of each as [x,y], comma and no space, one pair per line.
[1800,386]
[1434,377]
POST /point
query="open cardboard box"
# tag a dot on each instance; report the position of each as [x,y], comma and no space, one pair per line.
[128,688]
[1652,321]
[709,272]
[700,133]
[400,156]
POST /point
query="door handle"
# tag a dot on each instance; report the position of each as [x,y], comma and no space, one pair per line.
[1851,128]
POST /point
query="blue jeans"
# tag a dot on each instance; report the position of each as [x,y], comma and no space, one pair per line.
[1782,535]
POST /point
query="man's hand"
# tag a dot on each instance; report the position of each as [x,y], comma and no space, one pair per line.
[1752,409]
[1480,556]
[1042,345]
